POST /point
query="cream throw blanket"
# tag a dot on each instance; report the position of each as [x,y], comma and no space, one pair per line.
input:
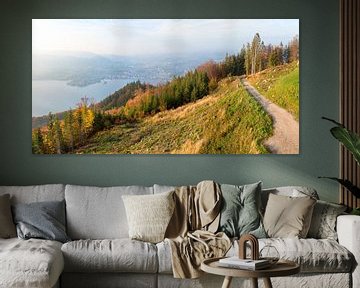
[191,231]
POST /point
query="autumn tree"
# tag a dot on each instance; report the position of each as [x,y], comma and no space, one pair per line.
[294,49]
[211,68]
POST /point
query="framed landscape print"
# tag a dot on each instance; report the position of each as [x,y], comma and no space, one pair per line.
[165,86]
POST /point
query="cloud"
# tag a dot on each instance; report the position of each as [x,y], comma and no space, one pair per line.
[156,36]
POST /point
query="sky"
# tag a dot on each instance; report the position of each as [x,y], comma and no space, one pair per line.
[131,37]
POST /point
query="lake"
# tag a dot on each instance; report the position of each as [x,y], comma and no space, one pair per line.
[56,96]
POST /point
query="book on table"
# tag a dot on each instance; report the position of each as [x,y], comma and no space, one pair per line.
[236,262]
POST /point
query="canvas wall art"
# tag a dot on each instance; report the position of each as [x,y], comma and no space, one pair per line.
[165,86]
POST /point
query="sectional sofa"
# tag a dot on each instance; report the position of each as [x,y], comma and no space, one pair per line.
[101,254]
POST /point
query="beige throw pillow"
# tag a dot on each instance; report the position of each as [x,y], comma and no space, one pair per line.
[7,226]
[288,217]
[149,215]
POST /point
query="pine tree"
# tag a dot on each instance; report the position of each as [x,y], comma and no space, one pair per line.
[69,137]
[248,59]
[38,146]
[241,62]
[59,138]
[255,53]
[54,140]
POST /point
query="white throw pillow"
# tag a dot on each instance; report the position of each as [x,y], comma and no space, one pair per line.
[149,215]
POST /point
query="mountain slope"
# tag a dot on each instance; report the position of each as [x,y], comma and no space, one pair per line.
[227,121]
[280,85]
[121,96]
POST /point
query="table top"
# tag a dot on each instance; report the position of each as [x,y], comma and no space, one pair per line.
[281,268]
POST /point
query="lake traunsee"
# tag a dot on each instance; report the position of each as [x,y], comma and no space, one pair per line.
[56,96]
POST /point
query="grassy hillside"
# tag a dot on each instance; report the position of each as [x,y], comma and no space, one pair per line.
[227,121]
[280,84]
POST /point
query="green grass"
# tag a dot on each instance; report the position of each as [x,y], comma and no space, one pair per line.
[280,85]
[228,121]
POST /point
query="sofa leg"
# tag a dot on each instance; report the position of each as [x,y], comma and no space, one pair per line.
[227,282]
[254,282]
[267,282]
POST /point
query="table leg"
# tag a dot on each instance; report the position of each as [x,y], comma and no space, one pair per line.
[227,282]
[254,282]
[267,283]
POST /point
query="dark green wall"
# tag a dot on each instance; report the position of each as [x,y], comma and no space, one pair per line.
[319,96]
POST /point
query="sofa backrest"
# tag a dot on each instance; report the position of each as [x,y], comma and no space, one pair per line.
[36,193]
[163,188]
[98,212]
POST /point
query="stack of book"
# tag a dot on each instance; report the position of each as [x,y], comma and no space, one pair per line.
[248,264]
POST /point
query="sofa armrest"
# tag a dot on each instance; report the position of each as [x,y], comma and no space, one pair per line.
[348,230]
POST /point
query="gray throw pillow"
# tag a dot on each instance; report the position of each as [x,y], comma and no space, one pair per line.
[323,222]
[7,227]
[240,213]
[44,220]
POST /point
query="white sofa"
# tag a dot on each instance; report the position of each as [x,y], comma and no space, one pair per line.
[101,255]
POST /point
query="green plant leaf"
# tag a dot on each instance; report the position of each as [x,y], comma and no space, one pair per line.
[347,184]
[355,211]
[348,138]
[333,121]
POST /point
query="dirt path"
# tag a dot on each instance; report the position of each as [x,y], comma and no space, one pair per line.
[286,129]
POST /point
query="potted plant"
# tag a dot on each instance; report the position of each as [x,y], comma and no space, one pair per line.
[351,141]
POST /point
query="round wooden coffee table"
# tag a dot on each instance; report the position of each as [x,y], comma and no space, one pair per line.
[281,268]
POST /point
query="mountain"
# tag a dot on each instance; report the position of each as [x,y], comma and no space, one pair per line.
[79,69]
[37,122]
[82,69]
[121,96]
[226,121]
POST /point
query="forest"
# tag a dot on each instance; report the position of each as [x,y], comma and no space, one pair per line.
[137,100]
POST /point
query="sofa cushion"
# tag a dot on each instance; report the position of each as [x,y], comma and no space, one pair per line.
[36,193]
[30,263]
[149,215]
[287,216]
[117,255]
[43,220]
[7,226]
[323,222]
[240,210]
[98,213]
[313,255]
[291,191]
[164,257]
